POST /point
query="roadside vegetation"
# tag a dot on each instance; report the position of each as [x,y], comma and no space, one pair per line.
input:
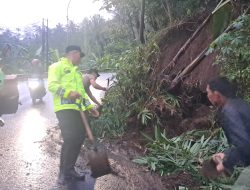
[129,44]
[234,57]
[185,152]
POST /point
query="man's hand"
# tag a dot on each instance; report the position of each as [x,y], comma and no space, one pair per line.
[73,95]
[94,112]
[98,107]
[218,160]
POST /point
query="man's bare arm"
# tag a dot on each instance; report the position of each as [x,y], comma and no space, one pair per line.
[89,93]
[97,86]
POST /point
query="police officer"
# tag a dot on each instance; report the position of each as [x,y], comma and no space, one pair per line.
[65,83]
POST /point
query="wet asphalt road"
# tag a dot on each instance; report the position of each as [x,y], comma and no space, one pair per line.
[23,164]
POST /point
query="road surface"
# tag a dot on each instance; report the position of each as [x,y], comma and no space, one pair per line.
[24,164]
[30,151]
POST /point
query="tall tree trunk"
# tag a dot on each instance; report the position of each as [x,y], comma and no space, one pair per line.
[142,26]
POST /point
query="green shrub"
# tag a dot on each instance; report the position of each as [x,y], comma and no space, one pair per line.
[133,94]
[184,153]
[234,54]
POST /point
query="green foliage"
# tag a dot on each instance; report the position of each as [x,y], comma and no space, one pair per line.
[18,50]
[103,41]
[54,55]
[133,94]
[145,116]
[158,13]
[113,116]
[183,153]
[234,55]
[221,18]
[182,8]
[130,92]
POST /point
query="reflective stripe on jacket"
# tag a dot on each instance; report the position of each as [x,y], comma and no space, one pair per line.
[64,77]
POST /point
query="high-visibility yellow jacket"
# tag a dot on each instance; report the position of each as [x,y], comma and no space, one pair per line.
[64,77]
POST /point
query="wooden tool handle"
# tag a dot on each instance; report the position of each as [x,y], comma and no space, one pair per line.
[87,127]
[108,81]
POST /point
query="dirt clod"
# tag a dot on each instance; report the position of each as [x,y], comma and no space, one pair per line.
[209,169]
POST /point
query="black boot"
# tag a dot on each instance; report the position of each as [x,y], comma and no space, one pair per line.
[73,175]
[61,179]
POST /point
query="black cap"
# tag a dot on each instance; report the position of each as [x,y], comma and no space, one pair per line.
[74,48]
[94,71]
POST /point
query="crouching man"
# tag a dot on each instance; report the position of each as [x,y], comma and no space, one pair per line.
[234,115]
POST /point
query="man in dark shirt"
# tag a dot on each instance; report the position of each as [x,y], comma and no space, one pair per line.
[234,115]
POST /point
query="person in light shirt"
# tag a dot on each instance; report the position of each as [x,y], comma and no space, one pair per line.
[90,79]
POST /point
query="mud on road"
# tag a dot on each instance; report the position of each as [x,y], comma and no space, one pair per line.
[129,175]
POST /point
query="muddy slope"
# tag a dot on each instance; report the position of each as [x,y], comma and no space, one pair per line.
[171,41]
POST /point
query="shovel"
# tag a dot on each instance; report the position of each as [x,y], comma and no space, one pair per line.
[98,159]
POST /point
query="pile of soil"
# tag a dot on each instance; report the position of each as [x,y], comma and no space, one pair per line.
[171,41]
[194,111]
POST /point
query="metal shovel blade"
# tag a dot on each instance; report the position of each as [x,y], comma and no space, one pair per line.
[98,161]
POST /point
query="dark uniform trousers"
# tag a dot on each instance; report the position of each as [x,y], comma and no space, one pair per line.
[73,135]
